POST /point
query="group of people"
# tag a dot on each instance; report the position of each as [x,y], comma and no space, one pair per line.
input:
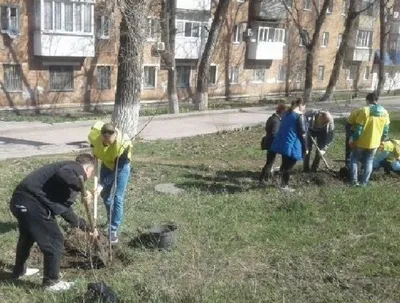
[293,132]
[52,190]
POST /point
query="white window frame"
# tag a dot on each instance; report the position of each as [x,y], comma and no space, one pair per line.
[325,39]
[101,23]
[339,40]
[70,89]
[181,29]
[349,70]
[152,28]
[256,79]
[190,75]
[156,67]
[19,68]
[237,36]
[365,37]
[63,30]
[231,74]
[367,73]
[281,70]
[216,75]
[264,33]
[309,6]
[8,9]
[329,8]
[321,76]
[110,68]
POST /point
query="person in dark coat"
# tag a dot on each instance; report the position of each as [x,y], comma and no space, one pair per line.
[44,194]
[291,140]
[271,129]
[320,126]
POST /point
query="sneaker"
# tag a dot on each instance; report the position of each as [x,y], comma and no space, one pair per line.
[355,184]
[31,272]
[288,189]
[60,286]
[113,237]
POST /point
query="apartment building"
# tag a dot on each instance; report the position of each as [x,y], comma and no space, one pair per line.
[63,52]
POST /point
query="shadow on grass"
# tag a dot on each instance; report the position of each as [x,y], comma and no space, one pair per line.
[5,227]
[226,182]
[7,279]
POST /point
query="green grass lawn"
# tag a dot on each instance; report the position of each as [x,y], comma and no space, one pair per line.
[237,242]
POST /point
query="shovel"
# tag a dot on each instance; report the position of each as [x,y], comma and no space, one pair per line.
[322,156]
[101,253]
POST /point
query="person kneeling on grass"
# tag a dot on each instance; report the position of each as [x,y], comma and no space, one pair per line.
[114,149]
[45,193]
[388,156]
[291,140]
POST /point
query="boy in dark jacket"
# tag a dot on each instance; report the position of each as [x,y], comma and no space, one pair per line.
[45,193]
[271,129]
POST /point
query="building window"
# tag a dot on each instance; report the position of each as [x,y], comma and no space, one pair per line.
[345,7]
[149,77]
[339,40]
[188,29]
[259,75]
[212,78]
[307,5]
[352,72]
[103,27]
[68,16]
[325,39]
[321,72]
[61,78]
[237,34]
[368,7]
[269,34]
[152,28]
[234,75]
[183,76]
[366,73]
[330,7]
[303,37]
[10,19]
[364,39]
[12,77]
[282,73]
[103,77]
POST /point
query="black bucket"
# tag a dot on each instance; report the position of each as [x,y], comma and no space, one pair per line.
[164,236]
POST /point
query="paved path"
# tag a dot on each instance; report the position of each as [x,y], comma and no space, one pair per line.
[21,139]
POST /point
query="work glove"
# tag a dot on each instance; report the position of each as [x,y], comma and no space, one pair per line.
[322,152]
[88,197]
[97,191]
[351,143]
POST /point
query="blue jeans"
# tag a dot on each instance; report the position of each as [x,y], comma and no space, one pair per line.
[380,158]
[115,203]
[366,157]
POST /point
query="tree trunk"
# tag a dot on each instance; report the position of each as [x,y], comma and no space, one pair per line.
[382,46]
[169,29]
[311,49]
[130,60]
[204,67]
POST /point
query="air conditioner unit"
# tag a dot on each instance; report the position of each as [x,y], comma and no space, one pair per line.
[395,15]
[160,46]
[248,33]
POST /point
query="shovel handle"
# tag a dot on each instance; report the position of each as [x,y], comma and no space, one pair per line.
[319,151]
[85,202]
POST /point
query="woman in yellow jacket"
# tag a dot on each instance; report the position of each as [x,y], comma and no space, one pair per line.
[114,150]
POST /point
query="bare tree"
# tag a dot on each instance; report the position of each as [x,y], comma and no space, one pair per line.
[310,44]
[130,62]
[384,32]
[204,67]
[351,18]
[169,34]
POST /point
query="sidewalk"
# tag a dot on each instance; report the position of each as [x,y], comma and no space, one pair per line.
[23,139]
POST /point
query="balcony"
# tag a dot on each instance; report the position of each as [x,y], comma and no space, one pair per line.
[267,10]
[64,28]
[188,48]
[359,54]
[265,50]
[63,45]
[198,5]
